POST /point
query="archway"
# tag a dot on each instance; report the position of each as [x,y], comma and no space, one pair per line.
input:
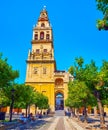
[59,101]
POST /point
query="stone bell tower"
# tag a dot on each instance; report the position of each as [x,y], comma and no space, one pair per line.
[41,70]
[40,63]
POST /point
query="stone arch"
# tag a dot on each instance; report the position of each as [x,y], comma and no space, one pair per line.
[59,100]
[36,37]
[47,36]
[41,35]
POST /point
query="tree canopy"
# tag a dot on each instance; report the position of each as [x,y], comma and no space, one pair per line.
[89,81]
[7,74]
[80,95]
[102,5]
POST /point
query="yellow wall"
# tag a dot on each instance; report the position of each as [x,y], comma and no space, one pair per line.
[40,77]
[49,90]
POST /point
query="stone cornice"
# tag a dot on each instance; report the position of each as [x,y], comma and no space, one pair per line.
[41,41]
[40,61]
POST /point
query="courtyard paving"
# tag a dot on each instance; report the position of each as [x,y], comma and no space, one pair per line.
[59,122]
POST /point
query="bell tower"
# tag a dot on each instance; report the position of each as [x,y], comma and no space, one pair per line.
[41,70]
[40,63]
[42,41]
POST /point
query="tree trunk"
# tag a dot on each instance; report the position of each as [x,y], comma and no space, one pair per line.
[95,111]
[11,108]
[101,110]
[18,111]
[73,112]
[26,109]
[85,114]
[77,113]
[35,109]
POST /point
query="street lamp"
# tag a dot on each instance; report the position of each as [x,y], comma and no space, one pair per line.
[12,103]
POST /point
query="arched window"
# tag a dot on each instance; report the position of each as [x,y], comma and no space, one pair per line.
[42,25]
[42,35]
[36,36]
[47,36]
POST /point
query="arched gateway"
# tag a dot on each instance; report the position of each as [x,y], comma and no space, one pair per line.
[59,101]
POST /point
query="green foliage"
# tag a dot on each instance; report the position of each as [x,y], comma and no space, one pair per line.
[7,74]
[77,69]
[102,24]
[104,71]
[90,85]
[24,95]
[79,95]
[41,101]
[104,96]
[102,5]
[3,99]
[79,61]
[71,70]
[90,79]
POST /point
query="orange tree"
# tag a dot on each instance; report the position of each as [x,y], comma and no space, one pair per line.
[7,74]
[96,79]
[40,101]
[79,96]
[7,77]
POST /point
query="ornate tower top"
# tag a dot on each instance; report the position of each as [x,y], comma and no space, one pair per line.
[43,15]
[43,20]
[42,40]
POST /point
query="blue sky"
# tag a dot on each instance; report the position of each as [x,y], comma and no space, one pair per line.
[74,31]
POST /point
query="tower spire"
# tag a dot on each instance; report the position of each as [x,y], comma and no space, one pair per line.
[43,15]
